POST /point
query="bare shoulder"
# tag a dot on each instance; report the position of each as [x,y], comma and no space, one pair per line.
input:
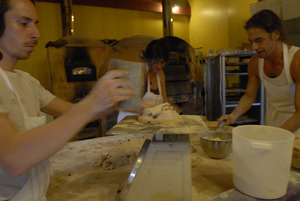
[161,74]
[254,60]
[253,65]
[295,66]
[297,56]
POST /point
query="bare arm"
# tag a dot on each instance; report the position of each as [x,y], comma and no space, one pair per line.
[57,107]
[21,151]
[164,91]
[293,123]
[163,85]
[248,98]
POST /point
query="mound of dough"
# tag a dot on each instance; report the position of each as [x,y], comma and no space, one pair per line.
[162,114]
[124,153]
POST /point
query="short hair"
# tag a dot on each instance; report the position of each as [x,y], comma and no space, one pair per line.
[156,50]
[4,7]
[267,20]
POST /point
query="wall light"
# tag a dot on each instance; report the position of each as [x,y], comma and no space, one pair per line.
[175,9]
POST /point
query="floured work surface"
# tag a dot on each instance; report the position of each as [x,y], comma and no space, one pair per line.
[78,174]
[193,124]
[82,170]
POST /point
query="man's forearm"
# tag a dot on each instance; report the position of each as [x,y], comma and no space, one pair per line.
[293,123]
[42,141]
[243,106]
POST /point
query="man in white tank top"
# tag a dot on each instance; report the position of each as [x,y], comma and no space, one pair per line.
[277,65]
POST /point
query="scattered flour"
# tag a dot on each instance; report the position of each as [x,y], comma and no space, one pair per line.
[124,153]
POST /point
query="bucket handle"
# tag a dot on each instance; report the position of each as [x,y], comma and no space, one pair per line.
[261,146]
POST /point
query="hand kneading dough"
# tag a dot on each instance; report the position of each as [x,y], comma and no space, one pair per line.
[162,114]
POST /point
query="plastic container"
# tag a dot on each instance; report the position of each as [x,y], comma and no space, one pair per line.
[261,160]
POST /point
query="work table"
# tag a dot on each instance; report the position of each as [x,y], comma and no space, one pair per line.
[76,173]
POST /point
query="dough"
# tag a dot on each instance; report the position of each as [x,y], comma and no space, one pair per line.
[168,117]
[212,138]
[162,114]
[124,153]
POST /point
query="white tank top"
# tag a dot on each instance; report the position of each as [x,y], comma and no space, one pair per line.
[280,91]
[283,84]
[152,97]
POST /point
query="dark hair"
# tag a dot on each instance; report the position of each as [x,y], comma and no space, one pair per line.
[4,7]
[156,50]
[267,20]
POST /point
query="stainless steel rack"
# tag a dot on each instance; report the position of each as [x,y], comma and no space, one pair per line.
[226,78]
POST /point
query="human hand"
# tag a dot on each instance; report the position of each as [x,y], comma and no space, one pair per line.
[228,119]
[109,90]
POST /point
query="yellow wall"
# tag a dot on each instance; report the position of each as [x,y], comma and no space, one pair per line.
[213,24]
[98,23]
[238,14]
[217,24]
[50,29]
[208,24]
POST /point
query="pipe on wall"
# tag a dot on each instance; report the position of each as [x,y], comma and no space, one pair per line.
[67,17]
[167,18]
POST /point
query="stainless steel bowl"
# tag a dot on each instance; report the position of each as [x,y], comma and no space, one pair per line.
[216,145]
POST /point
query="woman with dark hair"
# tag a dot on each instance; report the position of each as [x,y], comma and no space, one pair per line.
[155,56]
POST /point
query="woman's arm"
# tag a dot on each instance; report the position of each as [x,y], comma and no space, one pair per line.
[163,85]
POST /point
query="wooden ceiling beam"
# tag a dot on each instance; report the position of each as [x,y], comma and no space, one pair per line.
[127,4]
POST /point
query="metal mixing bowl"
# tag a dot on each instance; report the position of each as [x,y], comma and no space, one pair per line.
[215,144]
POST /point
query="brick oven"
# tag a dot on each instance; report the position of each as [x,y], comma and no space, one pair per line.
[75,63]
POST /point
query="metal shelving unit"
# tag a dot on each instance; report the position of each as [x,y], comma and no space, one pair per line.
[226,79]
[234,83]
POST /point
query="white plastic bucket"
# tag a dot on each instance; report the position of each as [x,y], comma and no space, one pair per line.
[261,160]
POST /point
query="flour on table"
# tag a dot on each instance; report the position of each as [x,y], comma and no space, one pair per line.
[124,153]
[162,114]
[195,157]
